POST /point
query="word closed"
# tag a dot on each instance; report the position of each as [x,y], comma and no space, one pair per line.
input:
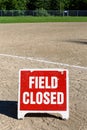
[43,91]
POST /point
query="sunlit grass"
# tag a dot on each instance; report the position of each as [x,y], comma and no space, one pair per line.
[32,19]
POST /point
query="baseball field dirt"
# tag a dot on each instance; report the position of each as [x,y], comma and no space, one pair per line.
[43,45]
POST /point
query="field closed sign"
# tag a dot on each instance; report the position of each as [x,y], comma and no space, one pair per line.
[43,91]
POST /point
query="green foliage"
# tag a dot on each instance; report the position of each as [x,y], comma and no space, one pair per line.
[39,4]
[41,12]
[66,4]
[31,4]
[78,5]
[13,4]
[20,4]
[54,4]
[43,4]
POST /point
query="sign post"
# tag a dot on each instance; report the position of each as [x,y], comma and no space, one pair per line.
[43,91]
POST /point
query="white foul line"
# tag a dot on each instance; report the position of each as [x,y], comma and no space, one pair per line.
[43,61]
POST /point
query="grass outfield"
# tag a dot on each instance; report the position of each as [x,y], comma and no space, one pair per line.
[31,19]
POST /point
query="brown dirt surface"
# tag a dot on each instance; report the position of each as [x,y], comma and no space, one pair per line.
[57,42]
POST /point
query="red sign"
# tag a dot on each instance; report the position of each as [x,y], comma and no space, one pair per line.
[43,91]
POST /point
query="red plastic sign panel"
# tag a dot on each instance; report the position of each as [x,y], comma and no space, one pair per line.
[43,90]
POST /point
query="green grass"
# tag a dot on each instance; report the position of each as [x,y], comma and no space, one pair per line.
[31,19]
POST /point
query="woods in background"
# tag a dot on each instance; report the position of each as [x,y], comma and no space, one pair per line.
[43,4]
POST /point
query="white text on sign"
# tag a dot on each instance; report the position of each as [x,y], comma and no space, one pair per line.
[43,82]
[46,98]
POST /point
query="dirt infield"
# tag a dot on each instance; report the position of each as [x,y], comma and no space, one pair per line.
[25,46]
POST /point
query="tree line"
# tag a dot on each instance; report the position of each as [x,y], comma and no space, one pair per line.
[43,4]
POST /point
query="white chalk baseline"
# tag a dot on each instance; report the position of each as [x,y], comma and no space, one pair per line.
[43,61]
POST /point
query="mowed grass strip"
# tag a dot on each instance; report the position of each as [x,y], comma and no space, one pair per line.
[35,19]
